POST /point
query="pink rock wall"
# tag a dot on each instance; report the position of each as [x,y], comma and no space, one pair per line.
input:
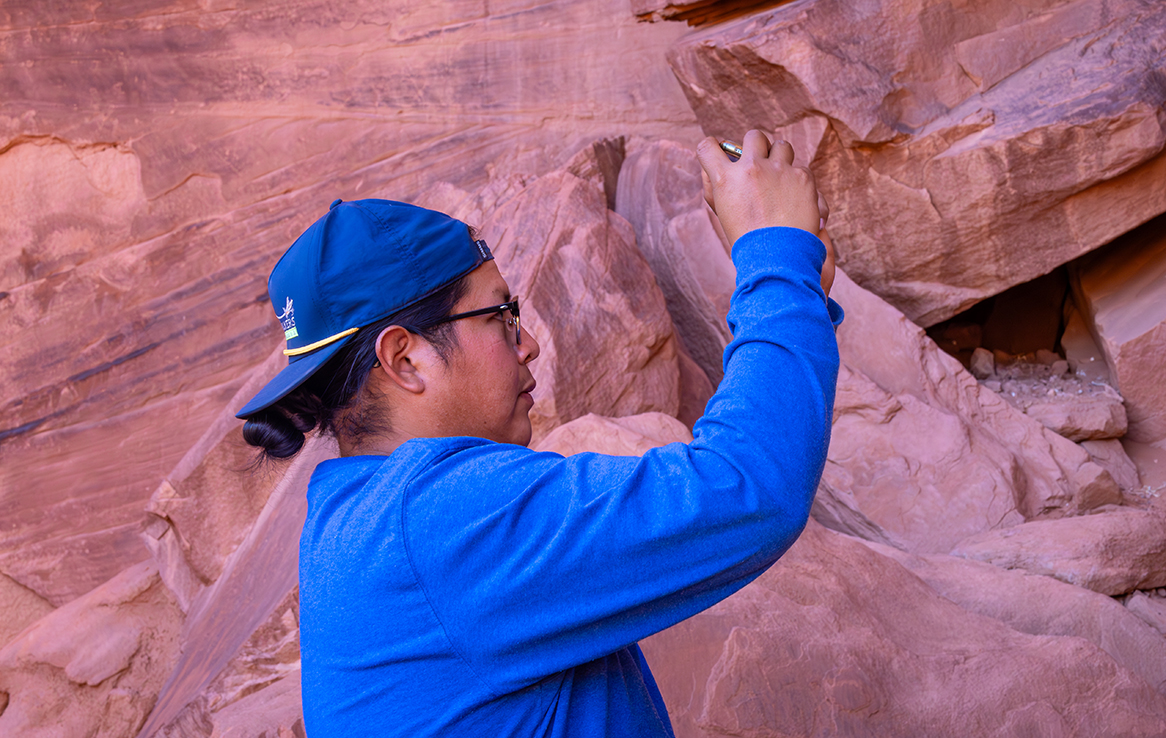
[1123,290]
[157,158]
[965,149]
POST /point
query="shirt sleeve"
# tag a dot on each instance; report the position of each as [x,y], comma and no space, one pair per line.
[535,563]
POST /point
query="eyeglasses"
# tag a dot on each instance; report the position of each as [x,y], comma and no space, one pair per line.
[511,321]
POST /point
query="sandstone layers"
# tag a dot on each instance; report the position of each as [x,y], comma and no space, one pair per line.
[965,149]
[957,576]
[155,161]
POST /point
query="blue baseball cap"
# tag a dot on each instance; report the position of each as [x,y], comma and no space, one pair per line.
[361,262]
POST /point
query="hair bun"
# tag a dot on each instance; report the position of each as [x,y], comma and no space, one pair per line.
[277,434]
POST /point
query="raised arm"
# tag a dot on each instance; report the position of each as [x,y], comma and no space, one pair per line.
[559,561]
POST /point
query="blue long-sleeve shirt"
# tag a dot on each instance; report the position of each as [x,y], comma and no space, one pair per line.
[461,587]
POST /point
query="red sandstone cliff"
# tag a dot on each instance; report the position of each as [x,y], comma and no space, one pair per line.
[157,158]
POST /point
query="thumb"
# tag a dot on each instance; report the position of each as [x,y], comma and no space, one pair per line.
[707,186]
[712,160]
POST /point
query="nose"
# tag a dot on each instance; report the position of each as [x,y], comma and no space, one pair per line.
[528,349]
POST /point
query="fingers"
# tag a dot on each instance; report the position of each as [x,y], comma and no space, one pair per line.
[713,161]
[784,151]
[823,210]
[756,144]
[712,157]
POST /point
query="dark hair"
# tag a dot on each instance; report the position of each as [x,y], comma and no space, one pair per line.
[331,399]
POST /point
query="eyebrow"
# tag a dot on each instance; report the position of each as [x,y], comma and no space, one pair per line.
[505,295]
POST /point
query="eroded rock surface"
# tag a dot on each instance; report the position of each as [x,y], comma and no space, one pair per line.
[94,666]
[1041,605]
[963,152]
[660,194]
[1122,291]
[19,608]
[1113,552]
[929,454]
[156,161]
[838,640]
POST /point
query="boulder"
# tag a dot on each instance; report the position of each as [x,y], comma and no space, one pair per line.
[944,138]
[1152,610]
[627,436]
[94,666]
[695,390]
[930,455]
[1111,456]
[1040,605]
[607,341]
[836,639]
[1112,552]
[660,193]
[919,471]
[1096,417]
[1122,292]
[983,364]
[837,509]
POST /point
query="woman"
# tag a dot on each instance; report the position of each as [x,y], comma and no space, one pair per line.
[454,582]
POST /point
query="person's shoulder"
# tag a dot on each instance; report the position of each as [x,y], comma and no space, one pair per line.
[441,457]
[467,471]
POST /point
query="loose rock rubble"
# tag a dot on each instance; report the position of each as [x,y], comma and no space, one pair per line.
[1073,406]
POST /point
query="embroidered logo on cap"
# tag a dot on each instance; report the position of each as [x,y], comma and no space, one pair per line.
[288,320]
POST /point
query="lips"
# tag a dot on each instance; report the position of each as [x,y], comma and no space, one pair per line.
[530,387]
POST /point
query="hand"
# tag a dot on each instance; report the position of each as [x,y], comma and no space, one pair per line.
[763,189]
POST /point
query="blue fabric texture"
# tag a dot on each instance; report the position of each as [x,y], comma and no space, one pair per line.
[461,587]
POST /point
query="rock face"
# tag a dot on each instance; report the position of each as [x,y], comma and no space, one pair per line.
[660,195]
[19,608]
[970,462]
[839,640]
[930,455]
[945,145]
[607,342]
[1123,292]
[1112,553]
[1041,605]
[156,161]
[1111,456]
[95,665]
[628,436]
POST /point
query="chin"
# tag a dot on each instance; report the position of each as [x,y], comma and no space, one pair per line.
[523,437]
[523,432]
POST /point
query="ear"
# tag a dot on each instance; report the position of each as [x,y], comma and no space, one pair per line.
[404,358]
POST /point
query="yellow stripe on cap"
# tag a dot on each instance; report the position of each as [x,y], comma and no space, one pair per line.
[319,344]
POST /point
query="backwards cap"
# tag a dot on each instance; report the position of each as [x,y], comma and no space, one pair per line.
[361,262]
